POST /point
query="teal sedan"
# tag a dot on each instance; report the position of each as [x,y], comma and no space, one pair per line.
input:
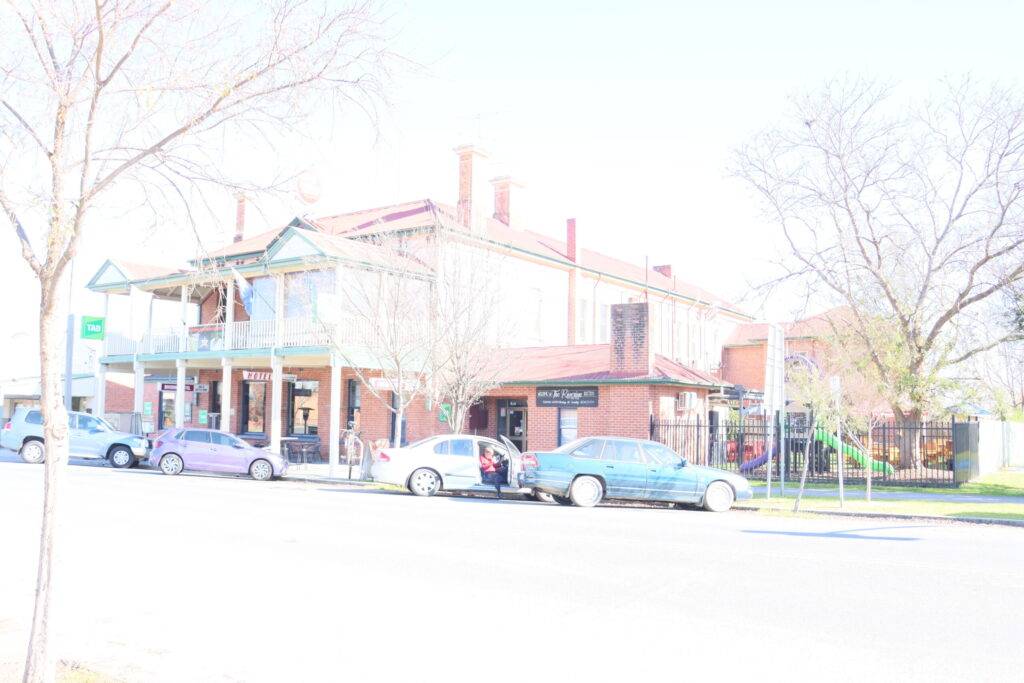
[587,471]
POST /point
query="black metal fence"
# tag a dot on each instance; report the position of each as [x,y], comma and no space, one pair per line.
[916,454]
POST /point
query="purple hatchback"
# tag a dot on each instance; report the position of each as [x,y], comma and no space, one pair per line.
[208,450]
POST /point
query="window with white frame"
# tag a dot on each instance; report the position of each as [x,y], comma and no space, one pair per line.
[583,314]
[603,317]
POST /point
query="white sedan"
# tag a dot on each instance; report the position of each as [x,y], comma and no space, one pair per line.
[450,462]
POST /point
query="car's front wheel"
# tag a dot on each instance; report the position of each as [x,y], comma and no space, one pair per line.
[718,497]
[33,452]
[586,492]
[424,482]
[171,464]
[261,470]
[121,457]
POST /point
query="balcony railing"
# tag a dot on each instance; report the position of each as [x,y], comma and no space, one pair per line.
[251,334]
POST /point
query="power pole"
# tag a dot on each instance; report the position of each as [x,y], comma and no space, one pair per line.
[70,341]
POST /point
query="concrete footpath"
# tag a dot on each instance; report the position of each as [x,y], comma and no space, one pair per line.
[858,494]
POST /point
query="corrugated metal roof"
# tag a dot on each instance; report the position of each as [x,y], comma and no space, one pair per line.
[587,362]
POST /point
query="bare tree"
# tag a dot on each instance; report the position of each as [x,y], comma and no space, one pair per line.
[466,319]
[907,214]
[118,103]
[388,308]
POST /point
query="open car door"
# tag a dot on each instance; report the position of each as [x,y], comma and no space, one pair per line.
[515,462]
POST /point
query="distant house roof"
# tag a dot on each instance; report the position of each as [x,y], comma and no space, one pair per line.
[588,363]
[814,327]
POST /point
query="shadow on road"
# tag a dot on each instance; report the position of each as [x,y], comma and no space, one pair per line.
[848,533]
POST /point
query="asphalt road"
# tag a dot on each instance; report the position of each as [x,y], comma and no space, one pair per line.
[202,578]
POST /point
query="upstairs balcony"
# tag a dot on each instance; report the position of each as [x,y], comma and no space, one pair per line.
[237,336]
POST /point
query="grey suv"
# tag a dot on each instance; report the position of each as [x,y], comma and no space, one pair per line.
[91,437]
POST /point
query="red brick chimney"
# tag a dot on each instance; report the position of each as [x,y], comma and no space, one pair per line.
[630,340]
[239,217]
[570,253]
[465,205]
[502,190]
[665,270]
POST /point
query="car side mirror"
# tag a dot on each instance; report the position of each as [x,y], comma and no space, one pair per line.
[95,430]
[238,446]
[682,463]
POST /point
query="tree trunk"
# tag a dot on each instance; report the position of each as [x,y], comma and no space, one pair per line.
[457,418]
[40,664]
[396,442]
[910,437]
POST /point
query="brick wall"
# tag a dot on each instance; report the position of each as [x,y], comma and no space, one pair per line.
[745,365]
[208,308]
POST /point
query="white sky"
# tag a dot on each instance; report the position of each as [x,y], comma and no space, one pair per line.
[623,115]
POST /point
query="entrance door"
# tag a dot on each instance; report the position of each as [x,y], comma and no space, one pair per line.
[512,421]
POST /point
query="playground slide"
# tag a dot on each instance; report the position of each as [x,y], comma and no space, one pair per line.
[756,462]
[852,453]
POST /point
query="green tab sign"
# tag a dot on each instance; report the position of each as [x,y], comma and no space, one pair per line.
[93,328]
[445,412]
[204,417]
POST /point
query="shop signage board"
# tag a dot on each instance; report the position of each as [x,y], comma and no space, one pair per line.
[202,388]
[264,376]
[173,386]
[567,397]
[256,375]
[93,327]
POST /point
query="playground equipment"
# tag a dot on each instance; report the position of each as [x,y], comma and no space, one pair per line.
[851,452]
[756,462]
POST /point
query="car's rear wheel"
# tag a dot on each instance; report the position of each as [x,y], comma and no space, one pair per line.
[33,452]
[261,470]
[562,500]
[543,497]
[171,464]
[121,457]
[586,492]
[424,482]
[718,497]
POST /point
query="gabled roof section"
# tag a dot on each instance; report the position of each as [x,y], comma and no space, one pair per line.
[423,214]
[589,363]
[814,327]
[119,275]
[413,215]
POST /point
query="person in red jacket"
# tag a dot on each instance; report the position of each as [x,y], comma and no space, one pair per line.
[492,468]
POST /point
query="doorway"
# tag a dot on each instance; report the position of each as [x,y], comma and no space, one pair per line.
[512,421]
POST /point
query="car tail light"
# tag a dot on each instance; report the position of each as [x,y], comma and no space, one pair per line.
[530,460]
[384,457]
[158,444]
[7,426]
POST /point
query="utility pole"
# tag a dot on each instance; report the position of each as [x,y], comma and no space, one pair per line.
[837,397]
[70,341]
